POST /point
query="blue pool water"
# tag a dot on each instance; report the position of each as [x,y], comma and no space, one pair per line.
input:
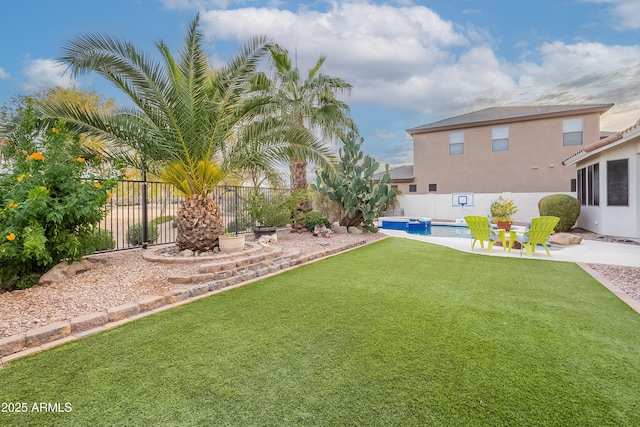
[424,226]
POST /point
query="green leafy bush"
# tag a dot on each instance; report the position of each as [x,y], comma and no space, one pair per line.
[47,207]
[564,206]
[313,218]
[97,240]
[270,211]
[134,234]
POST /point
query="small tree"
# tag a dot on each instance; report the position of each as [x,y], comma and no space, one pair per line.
[48,209]
[360,197]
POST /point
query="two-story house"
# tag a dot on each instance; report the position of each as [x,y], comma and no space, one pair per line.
[515,150]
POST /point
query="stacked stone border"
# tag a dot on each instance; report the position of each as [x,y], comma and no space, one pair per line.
[212,278]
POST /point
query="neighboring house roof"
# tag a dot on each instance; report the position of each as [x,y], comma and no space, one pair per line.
[496,115]
[611,141]
[399,174]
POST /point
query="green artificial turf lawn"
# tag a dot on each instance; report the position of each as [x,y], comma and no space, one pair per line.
[396,333]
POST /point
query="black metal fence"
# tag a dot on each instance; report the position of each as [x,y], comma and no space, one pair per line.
[144,213]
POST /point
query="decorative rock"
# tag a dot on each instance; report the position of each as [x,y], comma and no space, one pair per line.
[322,231]
[354,230]
[10,345]
[122,312]
[48,333]
[64,270]
[339,229]
[186,253]
[565,239]
[88,321]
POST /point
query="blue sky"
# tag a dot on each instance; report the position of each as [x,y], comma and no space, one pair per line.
[410,62]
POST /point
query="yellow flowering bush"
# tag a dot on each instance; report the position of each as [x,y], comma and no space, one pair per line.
[47,207]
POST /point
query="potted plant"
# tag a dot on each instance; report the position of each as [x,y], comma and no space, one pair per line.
[502,211]
[268,213]
[229,243]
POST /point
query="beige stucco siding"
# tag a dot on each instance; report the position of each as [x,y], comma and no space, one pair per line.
[532,164]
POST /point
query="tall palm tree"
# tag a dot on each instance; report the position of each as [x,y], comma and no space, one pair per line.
[191,124]
[313,103]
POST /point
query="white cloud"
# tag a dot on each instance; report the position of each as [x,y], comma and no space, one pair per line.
[4,74]
[625,12]
[41,74]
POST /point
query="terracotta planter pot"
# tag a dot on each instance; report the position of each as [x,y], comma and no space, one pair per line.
[504,225]
[230,244]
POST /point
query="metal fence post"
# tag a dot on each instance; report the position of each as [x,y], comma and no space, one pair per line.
[145,214]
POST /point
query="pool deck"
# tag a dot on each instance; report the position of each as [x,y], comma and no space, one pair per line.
[588,252]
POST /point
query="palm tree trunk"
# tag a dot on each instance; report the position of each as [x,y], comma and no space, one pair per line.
[199,224]
[298,172]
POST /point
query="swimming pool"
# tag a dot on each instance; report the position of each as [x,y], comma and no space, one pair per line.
[425,227]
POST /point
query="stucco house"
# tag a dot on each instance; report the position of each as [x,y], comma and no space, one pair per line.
[515,151]
[608,184]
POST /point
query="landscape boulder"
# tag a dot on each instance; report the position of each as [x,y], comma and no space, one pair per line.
[60,272]
[565,239]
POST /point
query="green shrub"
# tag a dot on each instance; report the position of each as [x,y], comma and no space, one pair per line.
[269,212]
[564,206]
[242,224]
[47,207]
[134,234]
[97,240]
[313,218]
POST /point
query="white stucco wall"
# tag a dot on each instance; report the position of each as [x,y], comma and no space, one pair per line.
[622,221]
[439,206]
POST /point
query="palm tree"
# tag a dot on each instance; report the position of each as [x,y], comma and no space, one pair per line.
[192,125]
[312,103]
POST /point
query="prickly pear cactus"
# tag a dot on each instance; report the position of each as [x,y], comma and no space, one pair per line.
[352,186]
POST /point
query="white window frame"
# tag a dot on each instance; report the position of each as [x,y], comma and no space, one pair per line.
[456,143]
[500,139]
[572,132]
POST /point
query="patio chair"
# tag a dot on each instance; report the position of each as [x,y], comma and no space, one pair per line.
[536,233]
[482,232]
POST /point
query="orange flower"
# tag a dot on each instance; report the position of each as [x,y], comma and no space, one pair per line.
[35,156]
[54,130]
[13,205]
[11,237]
[97,185]
[110,195]
[80,159]
[21,177]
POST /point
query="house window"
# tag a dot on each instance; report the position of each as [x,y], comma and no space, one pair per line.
[456,143]
[588,185]
[433,187]
[572,132]
[412,188]
[618,182]
[581,191]
[593,184]
[574,185]
[500,139]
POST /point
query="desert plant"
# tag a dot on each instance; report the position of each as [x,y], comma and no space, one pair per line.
[47,207]
[134,234]
[313,218]
[270,211]
[502,210]
[360,197]
[564,206]
[97,240]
